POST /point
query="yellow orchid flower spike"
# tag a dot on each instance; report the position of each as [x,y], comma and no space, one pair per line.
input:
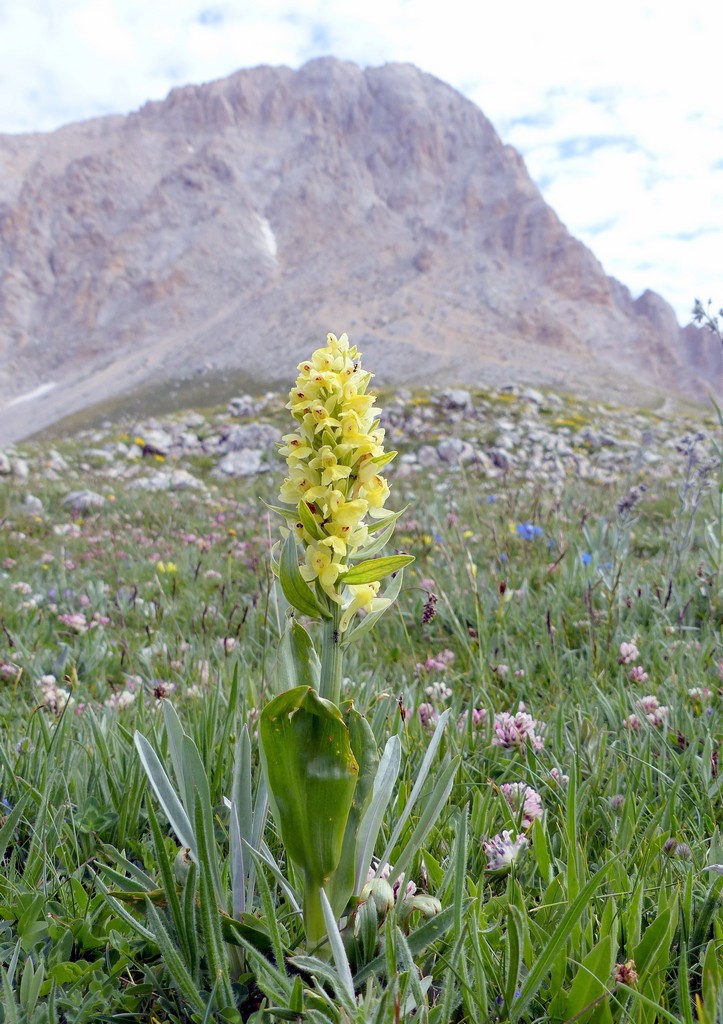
[335,492]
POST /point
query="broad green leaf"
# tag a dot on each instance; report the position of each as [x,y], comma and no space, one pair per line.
[166,794]
[653,951]
[364,748]
[542,851]
[311,774]
[297,663]
[296,590]
[375,569]
[513,953]
[30,983]
[592,979]
[602,1013]
[380,541]
[384,521]
[249,927]
[382,792]
[242,778]
[557,942]
[175,733]
[609,920]
[712,981]
[371,618]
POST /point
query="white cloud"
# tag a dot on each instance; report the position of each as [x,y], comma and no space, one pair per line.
[555,79]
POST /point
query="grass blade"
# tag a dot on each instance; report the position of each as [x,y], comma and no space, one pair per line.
[338,952]
[419,782]
[371,822]
[557,940]
[166,794]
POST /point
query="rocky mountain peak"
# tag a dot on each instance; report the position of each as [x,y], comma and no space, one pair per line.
[229,225]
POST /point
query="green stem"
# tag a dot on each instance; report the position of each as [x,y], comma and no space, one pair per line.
[314,924]
[331,656]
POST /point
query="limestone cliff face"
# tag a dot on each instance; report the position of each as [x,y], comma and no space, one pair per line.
[234,223]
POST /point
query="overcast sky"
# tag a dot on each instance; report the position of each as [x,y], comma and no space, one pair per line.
[617,108]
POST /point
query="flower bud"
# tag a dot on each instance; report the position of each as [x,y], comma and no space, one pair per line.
[182,864]
[381,893]
[427,906]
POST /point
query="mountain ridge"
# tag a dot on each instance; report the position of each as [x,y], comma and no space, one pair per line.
[234,223]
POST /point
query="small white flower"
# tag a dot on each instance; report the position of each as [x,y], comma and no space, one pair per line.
[121,701]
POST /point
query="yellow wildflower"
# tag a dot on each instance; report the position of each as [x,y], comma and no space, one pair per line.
[295,447]
[331,469]
[362,596]
[320,565]
[375,492]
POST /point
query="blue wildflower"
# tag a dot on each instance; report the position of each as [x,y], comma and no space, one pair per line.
[529,530]
[585,557]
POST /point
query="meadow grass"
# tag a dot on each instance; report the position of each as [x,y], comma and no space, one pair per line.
[578,861]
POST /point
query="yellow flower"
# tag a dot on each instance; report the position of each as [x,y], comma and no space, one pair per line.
[296,447]
[363,596]
[331,470]
[320,565]
[346,513]
[375,492]
[331,467]
[301,479]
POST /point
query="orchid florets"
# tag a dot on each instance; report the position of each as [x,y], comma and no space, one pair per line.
[334,482]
